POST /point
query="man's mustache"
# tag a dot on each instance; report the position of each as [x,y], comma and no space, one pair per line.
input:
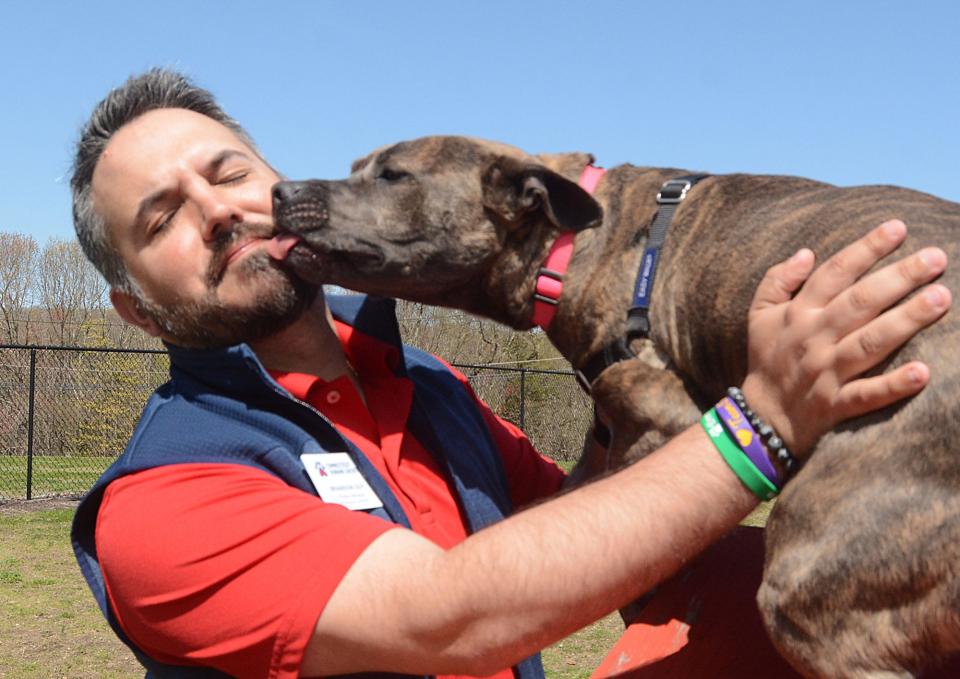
[225,241]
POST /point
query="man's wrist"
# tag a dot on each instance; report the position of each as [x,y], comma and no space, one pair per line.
[774,445]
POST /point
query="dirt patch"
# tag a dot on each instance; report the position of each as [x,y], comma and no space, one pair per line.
[38,504]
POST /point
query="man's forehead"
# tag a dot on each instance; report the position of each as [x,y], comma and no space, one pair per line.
[169,133]
[145,155]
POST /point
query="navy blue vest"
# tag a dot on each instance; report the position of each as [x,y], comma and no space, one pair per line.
[222,406]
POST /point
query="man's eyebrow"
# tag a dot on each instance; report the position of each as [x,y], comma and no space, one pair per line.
[218,160]
[148,203]
[212,167]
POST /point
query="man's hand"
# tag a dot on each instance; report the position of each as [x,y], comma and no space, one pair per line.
[807,350]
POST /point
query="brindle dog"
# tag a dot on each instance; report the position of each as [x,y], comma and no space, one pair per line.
[862,575]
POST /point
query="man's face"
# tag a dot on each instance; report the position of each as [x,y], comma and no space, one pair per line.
[188,208]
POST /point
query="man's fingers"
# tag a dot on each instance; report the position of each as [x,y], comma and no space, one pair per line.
[870,393]
[840,271]
[783,279]
[868,346]
[864,301]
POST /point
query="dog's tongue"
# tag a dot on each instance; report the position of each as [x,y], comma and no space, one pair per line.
[280,245]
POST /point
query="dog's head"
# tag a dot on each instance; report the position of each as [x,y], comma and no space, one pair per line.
[441,220]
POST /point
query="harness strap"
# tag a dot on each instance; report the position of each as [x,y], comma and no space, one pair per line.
[550,276]
[671,194]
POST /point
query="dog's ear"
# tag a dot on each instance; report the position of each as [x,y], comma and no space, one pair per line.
[360,163]
[567,164]
[514,189]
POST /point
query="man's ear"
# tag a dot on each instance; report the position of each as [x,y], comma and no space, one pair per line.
[514,189]
[129,309]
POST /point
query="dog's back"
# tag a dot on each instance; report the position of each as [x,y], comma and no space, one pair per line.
[863,548]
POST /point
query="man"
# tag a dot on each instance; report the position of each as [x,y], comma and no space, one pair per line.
[207,545]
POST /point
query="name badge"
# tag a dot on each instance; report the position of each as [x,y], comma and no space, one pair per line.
[338,481]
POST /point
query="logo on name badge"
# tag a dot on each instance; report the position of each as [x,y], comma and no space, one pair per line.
[338,481]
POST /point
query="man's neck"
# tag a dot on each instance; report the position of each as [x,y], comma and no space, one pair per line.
[308,345]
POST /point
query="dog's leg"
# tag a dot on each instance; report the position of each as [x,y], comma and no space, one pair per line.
[592,464]
[861,579]
[648,405]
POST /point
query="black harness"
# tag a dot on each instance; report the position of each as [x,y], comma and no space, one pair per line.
[670,196]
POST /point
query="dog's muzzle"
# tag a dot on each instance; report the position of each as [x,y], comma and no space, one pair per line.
[300,206]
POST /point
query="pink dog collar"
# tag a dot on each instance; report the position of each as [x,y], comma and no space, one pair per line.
[590,178]
[550,276]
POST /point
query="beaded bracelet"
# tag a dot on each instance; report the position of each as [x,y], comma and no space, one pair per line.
[749,475]
[773,443]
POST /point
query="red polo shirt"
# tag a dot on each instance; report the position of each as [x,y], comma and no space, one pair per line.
[229,566]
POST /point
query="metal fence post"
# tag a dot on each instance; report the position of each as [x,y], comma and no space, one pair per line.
[523,396]
[33,381]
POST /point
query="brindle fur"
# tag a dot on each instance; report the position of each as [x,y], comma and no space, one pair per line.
[863,548]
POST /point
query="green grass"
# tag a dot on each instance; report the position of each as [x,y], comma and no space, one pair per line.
[577,656]
[50,625]
[52,475]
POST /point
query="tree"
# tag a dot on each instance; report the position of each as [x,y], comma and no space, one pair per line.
[18,265]
[462,338]
[108,391]
[70,290]
[556,412]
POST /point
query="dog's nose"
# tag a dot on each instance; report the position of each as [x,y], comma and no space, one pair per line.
[285,192]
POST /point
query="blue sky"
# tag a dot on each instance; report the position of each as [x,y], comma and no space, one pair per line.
[846,92]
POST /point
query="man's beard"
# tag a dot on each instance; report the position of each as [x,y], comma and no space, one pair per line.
[207,323]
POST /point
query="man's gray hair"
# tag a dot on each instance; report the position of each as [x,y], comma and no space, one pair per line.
[156,89]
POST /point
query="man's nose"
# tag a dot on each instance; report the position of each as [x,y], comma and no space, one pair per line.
[218,216]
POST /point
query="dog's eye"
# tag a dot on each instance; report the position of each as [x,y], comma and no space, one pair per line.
[390,175]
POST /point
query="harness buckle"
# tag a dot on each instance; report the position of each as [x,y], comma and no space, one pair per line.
[673,191]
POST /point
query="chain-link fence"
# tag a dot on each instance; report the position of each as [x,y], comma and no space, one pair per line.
[67,412]
[548,405]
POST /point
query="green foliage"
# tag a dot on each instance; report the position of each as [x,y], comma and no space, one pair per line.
[109,404]
[551,408]
[10,571]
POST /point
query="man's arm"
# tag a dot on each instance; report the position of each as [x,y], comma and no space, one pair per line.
[517,586]
[407,606]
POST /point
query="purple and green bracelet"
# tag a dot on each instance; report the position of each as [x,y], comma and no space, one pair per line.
[747,444]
